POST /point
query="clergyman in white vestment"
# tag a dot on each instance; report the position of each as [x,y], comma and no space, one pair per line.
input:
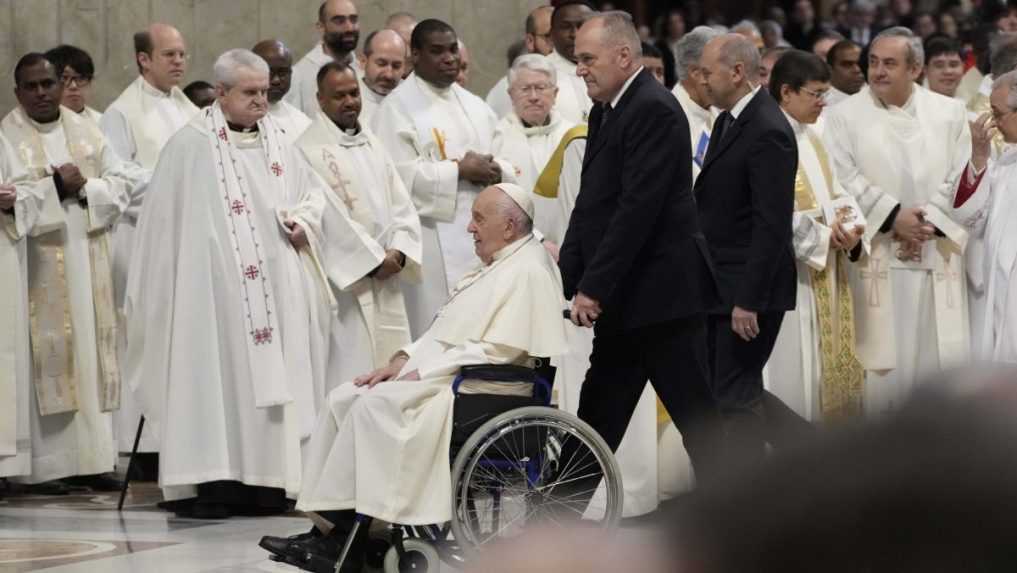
[138,124]
[223,308]
[985,204]
[20,201]
[365,268]
[384,61]
[899,150]
[290,120]
[536,41]
[381,446]
[692,96]
[440,137]
[339,26]
[86,187]
[813,368]
[573,103]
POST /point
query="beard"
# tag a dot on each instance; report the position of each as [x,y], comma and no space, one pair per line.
[342,42]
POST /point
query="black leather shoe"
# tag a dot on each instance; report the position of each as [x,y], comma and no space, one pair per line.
[279,545]
[97,482]
[319,555]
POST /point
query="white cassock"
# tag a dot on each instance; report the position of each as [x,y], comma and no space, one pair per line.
[303,92]
[970,83]
[652,457]
[498,99]
[137,125]
[92,115]
[426,129]
[528,149]
[364,186]
[835,96]
[384,451]
[910,310]
[813,368]
[370,101]
[291,121]
[76,374]
[15,351]
[572,103]
[989,214]
[700,126]
[227,353]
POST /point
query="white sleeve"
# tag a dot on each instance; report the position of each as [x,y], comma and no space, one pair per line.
[452,358]
[811,240]
[118,133]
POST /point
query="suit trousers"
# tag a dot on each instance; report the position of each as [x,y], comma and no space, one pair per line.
[737,382]
[672,355]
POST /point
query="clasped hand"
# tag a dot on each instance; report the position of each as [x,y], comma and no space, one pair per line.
[296,234]
[585,310]
[911,226]
[479,169]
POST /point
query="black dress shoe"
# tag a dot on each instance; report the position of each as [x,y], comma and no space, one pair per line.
[319,555]
[97,482]
[279,545]
[210,510]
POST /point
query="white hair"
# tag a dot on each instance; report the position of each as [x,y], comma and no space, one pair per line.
[1009,81]
[620,30]
[534,63]
[232,61]
[746,26]
[511,210]
[689,49]
[916,53]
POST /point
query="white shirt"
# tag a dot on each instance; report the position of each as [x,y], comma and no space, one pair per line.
[625,87]
[742,103]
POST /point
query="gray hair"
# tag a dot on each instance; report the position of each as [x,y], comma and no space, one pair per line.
[689,49]
[230,62]
[620,29]
[916,53]
[1002,53]
[511,210]
[534,63]
[773,26]
[1009,81]
[738,48]
[746,26]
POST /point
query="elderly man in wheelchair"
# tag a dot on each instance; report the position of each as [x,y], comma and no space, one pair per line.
[475,387]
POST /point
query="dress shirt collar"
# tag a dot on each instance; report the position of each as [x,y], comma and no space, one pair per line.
[625,87]
[742,103]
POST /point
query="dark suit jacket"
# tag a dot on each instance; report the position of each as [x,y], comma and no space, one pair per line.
[633,242]
[745,195]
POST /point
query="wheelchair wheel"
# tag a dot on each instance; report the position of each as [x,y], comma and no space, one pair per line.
[532,465]
[420,557]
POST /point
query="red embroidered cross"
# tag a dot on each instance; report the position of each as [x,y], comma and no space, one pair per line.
[238,207]
[222,133]
[277,169]
[262,336]
[251,272]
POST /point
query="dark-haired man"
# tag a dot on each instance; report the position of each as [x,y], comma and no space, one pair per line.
[339,26]
[944,66]
[439,136]
[290,120]
[846,77]
[573,103]
[75,68]
[85,189]
[201,93]
[138,124]
[537,41]
[819,378]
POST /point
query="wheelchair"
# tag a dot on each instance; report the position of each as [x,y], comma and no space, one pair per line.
[517,461]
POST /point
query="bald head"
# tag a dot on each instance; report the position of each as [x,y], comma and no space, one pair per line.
[730,66]
[402,23]
[280,67]
[161,55]
[465,61]
[538,31]
[339,25]
[383,60]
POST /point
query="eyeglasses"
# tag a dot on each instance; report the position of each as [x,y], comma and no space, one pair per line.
[536,89]
[79,81]
[818,95]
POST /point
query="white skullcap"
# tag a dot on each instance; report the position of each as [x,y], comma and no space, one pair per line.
[519,195]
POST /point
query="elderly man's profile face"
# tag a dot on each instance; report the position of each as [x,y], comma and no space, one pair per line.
[602,63]
[246,101]
[1003,117]
[492,230]
[532,95]
[718,78]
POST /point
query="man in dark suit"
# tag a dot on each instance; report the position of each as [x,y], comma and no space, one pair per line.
[745,196]
[633,258]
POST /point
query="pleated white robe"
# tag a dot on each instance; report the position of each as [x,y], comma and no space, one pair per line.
[76,442]
[189,355]
[426,129]
[384,451]
[911,315]
[15,351]
[290,120]
[371,324]
[138,124]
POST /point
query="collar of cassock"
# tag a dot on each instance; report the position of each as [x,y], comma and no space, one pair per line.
[152,90]
[241,129]
[44,127]
[530,130]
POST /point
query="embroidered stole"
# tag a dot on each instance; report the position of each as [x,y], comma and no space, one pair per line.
[547,182]
[54,373]
[842,375]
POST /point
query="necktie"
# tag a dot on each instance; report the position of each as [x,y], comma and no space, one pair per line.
[724,122]
[605,114]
